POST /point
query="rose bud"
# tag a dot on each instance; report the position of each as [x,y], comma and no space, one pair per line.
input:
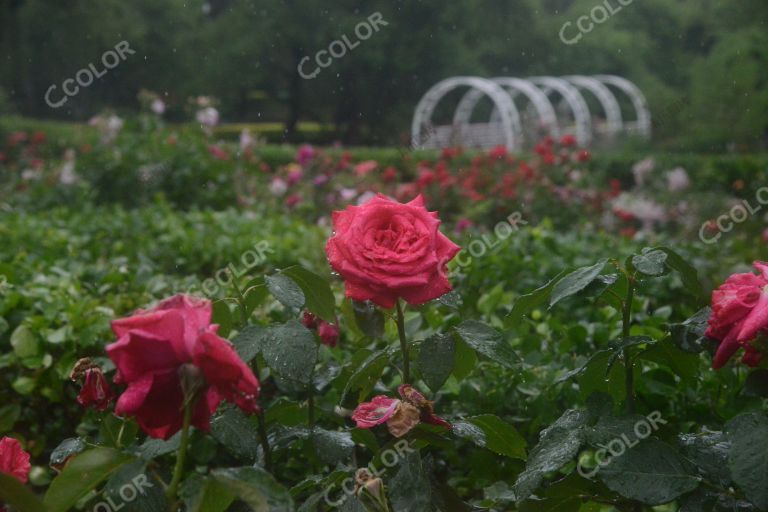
[370,491]
[329,333]
[95,391]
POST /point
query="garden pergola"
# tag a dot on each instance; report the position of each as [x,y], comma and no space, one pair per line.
[522,110]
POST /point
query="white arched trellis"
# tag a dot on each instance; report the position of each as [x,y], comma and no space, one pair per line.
[547,119]
[613,122]
[571,115]
[582,122]
[505,132]
[642,123]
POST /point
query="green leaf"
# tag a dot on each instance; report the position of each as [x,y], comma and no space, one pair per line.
[24,342]
[237,433]
[317,292]
[153,448]
[436,358]
[409,489]
[665,353]
[688,336]
[365,376]
[117,432]
[558,445]
[651,472]
[748,459]
[489,431]
[333,446]
[488,341]
[650,262]
[576,281]
[256,487]
[709,451]
[617,347]
[133,479]
[15,494]
[757,383]
[249,341]
[222,316]
[9,414]
[687,272]
[464,361]
[286,291]
[291,351]
[526,303]
[369,319]
[81,475]
[204,494]
[66,449]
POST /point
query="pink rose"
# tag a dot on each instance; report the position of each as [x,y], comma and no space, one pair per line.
[14,460]
[739,314]
[385,250]
[157,348]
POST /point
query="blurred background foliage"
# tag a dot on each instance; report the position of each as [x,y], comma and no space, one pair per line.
[703,64]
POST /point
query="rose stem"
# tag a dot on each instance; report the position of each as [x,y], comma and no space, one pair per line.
[262,424]
[255,366]
[626,320]
[181,455]
[403,344]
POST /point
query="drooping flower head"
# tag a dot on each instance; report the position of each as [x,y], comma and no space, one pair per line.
[739,315]
[385,250]
[401,416]
[161,350]
[96,391]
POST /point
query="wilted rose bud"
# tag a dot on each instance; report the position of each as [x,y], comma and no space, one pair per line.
[96,391]
[370,491]
[406,417]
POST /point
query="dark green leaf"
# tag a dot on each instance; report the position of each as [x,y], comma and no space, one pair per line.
[757,383]
[249,341]
[291,351]
[9,414]
[237,433]
[410,489]
[222,316]
[133,479]
[487,341]
[576,281]
[526,303]
[650,263]
[66,449]
[709,451]
[489,431]
[687,272]
[558,445]
[436,358]
[153,448]
[688,336]
[651,472]
[665,353]
[464,361]
[369,319]
[257,488]
[83,474]
[748,458]
[286,291]
[317,292]
[364,378]
[15,494]
[205,494]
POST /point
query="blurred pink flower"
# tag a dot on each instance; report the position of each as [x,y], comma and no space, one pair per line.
[364,168]
[305,155]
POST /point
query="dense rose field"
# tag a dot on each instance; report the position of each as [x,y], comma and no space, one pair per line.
[192,322]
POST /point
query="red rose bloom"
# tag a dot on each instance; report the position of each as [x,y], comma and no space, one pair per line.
[385,250]
[157,347]
[13,460]
[739,314]
[568,140]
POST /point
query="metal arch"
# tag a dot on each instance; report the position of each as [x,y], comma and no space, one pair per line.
[509,116]
[537,98]
[643,123]
[575,101]
[606,99]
